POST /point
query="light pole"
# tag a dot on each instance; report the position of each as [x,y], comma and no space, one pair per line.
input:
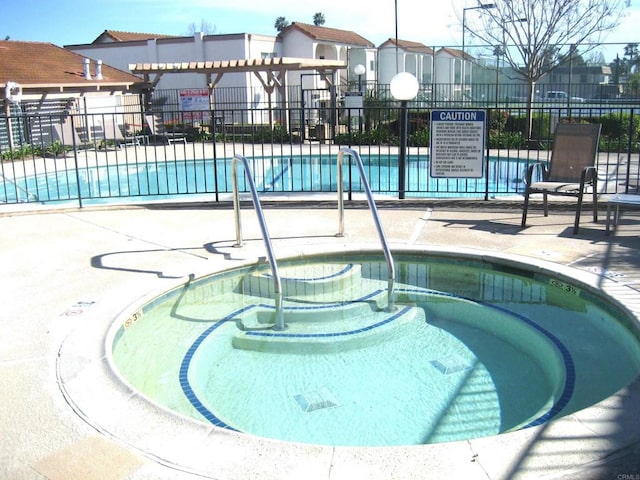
[396,25]
[497,50]
[572,52]
[404,87]
[502,50]
[359,70]
[482,6]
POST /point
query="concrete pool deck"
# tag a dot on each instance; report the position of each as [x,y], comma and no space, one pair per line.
[67,274]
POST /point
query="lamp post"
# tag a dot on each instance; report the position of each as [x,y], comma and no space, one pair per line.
[501,50]
[359,70]
[572,52]
[482,6]
[497,50]
[396,25]
[404,87]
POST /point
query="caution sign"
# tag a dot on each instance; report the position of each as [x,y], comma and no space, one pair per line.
[457,143]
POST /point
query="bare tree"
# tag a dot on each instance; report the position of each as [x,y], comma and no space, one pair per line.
[538,35]
[595,57]
[205,27]
[280,24]
[318,19]
[631,51]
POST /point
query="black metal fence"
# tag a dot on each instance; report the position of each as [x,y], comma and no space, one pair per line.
[115,157]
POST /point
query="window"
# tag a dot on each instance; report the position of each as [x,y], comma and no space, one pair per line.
[457,71]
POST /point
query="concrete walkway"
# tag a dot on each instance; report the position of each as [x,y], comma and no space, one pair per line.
[67,274]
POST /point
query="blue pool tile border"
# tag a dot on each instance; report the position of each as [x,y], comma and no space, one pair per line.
[555,409]
[567,359]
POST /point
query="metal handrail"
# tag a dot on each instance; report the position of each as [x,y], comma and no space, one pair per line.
[30,197]
[391,271]
[265,233]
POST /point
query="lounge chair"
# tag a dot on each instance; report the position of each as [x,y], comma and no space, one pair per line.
[113,131]
[571,170]
[66,134]
[158,130]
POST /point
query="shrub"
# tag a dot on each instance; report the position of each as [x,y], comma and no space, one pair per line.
[419,138]
[376,136]
[502,139]
[618,125]
[542,125]
[498,120]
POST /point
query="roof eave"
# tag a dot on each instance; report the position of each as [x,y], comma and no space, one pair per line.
[80,87]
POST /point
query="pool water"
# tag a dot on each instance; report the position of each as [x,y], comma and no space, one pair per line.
[155,180]
[472,349]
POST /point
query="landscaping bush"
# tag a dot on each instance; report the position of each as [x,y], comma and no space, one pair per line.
[257,134]
[542,125]
[503,139]
[419,138]
[619,125]
[19,152]
[377,136]
[498,120]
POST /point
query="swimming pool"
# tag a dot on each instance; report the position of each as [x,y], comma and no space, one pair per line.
[158,180]
[476,347]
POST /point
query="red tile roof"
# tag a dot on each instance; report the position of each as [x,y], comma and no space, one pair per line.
[118,36]
[36,63]
[454,52]
[328,34]
[408,46]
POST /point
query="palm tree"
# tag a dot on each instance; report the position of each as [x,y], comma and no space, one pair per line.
[318,19]
[281,24]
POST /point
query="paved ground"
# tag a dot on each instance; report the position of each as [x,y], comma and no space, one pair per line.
[70,271]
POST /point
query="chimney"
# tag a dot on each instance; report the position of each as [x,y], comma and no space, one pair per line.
[98,69]
[87,72]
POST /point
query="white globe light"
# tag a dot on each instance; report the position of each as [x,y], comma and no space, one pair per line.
[404,86]
[359,69]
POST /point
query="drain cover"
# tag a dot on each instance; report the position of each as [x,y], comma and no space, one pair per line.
[315,400]
[451,364]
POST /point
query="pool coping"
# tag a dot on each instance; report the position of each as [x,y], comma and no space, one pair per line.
[96,393]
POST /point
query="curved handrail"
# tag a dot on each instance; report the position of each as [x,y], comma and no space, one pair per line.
[263,227]
[30,197]
[391,271]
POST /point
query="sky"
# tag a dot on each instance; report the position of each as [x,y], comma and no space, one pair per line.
[432,22]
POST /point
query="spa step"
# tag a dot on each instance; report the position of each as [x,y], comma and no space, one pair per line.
[322,315]
[311,335]
[322,283]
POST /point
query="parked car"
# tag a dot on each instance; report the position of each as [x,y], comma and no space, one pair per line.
[560,96]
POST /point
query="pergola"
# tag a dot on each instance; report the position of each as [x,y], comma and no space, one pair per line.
[271,72]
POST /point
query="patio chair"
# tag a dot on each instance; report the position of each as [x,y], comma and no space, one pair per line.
[113,131]
[158,130]
[571,170]
[66,134]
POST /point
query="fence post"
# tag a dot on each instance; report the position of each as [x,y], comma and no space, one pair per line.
[75,161]
[629,150]
[487,123]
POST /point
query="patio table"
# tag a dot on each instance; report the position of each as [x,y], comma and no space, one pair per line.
[614,204]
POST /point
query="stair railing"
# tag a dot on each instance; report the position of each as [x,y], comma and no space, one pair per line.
[277,284]
[391,275]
